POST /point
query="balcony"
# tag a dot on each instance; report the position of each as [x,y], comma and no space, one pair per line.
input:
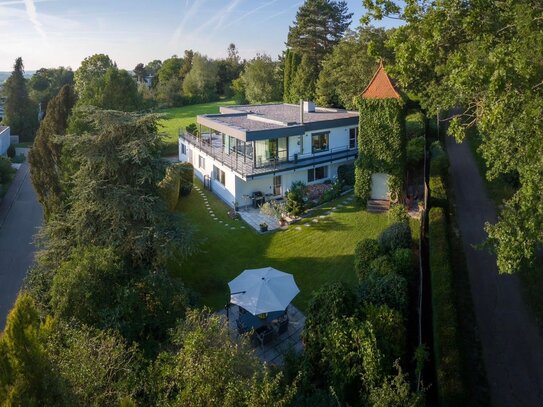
[212,145]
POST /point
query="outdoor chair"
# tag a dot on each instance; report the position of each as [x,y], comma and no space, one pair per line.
[282,326]
[265,336]
[241,327]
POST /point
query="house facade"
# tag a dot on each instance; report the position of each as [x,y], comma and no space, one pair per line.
[5,139]
[260,150]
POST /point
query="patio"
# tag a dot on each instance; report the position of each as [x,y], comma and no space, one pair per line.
[254,218]
[275,351]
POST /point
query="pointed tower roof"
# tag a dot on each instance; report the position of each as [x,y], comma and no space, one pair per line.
[381,86]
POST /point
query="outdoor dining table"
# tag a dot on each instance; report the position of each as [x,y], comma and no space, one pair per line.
[250,321]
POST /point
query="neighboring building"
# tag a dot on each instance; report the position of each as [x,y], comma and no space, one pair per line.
[5,139]
[252,149]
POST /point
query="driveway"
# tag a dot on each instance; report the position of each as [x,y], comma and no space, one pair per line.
[20,217]
[512,345]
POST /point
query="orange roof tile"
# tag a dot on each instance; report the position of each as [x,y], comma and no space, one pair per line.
[381,86]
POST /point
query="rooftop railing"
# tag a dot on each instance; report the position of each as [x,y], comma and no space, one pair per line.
[245,166]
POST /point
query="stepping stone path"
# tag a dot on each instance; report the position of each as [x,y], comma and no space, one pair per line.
[211,212]
[298,228]
[307,225]
[322,216]
[315,221]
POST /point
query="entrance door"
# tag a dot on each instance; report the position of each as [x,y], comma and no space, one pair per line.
[379,186]
[277,185]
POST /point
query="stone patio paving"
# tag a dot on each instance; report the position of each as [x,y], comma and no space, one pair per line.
[275,351]
[254,218]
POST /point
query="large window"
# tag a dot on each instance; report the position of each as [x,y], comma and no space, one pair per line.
[320,142]
[271,150]
[201,162]
[317,173]
[353,137]
[218,175]
[183,149]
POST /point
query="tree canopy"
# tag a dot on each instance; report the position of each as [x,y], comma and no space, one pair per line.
[483,57]
[260,80]
[20,112]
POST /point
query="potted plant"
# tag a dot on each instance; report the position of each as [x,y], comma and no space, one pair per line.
[263,227]
[282,221]
[236,205]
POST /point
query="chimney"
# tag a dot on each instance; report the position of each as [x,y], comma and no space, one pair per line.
[309,107]
[301,111]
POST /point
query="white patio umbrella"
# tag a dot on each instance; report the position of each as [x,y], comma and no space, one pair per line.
[263,290]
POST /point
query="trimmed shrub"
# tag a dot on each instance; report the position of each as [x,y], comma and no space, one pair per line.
[396,236]
[11,151]
[389,289]
[398,214]
[331,193]
[365,252]
[186,178]
[169,187]
[415,124]
[296,198]
[192,128]
[438,192]
[331,302]
[389,329]
[415,152]
[345,174]
[450,387]
[402,260]
[5,170]
[439,167]
[382,265]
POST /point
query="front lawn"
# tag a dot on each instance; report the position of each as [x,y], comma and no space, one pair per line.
[315,254]
[180,117]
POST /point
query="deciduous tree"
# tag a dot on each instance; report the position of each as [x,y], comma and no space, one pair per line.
[261,81]
[482,56]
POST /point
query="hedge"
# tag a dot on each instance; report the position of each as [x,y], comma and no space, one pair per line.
[186,178]
[450,387]
[169,187]
[439,167]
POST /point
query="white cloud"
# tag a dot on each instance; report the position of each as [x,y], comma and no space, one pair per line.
[32,13]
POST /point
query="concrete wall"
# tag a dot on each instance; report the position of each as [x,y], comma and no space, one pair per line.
[5,139]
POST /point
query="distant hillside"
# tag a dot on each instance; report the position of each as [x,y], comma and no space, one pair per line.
[4,75]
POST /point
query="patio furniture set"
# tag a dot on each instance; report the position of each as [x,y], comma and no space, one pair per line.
[262,296]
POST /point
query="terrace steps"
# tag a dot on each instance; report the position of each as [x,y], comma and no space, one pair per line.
[378,205]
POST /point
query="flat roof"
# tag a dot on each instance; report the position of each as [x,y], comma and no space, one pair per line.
[259,122]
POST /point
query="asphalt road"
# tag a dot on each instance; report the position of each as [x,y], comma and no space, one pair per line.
[512,344]
[20,217]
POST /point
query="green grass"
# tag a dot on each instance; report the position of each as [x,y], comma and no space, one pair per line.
[179,117]
[315,255]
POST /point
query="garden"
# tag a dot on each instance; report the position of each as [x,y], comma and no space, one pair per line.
[318,249]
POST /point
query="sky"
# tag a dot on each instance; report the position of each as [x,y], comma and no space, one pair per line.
[51,33]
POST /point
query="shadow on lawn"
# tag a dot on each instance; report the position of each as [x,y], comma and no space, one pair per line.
[310,273]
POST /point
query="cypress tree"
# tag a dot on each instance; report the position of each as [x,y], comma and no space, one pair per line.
[20,112]
[44,158]
[304,81]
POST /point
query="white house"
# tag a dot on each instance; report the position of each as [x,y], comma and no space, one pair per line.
[5,139]
[252,150]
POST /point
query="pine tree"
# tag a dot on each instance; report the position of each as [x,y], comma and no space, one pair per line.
[319,25]
[44,157]
[20,112]
[26,374]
